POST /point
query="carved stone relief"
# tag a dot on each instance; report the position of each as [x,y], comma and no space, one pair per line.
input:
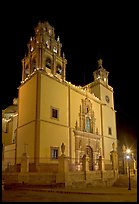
[86,116]
[87,142]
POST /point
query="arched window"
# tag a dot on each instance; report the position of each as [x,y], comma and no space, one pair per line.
[87,125]
[33,64]
[48,63]
[26,71]
[58,69]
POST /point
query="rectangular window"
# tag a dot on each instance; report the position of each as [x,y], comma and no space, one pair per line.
[109,131]
[54,113]
[54,152]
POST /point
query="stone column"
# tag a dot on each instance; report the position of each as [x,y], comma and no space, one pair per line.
[63,167]
[24,163]
[23,176]
[85,165]
[114,158]
[101,163]
[63,164]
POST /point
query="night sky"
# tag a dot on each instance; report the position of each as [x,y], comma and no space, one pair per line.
[87,32]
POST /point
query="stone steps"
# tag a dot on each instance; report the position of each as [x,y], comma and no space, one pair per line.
[123,181]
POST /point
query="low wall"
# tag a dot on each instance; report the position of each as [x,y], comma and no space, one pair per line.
[10,177]
[30,178]
[94,178]
[89,178]
[48,167]
[73,179]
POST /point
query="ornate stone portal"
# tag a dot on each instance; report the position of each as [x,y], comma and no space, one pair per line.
[87,140]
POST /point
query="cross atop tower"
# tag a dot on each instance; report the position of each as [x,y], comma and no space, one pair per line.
[100,63]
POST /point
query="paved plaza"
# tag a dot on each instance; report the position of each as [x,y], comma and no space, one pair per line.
[111,194]
[28,193]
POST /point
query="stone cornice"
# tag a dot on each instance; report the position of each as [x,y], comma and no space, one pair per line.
[86,134]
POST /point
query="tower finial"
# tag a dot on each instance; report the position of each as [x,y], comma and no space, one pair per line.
[100,63]
[58,39]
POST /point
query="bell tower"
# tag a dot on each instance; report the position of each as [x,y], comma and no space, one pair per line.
[43,71]
[100,86]
[44,53]
[101,75]
[103,91]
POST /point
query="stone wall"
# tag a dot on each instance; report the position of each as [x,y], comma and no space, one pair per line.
[91,178]
[30,178]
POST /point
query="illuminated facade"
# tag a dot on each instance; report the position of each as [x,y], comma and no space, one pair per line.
[9,123]
[52,111]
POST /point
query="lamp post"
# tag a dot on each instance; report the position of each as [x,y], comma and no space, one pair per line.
[128,151]
[124,158]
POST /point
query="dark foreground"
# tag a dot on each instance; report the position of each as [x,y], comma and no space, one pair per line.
[113,194]
[27,193]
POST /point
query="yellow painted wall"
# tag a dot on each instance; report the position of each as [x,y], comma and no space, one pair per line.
[52,135]
[9,155]
[108,147]
[7,136]
[53,131]
[101,91]
[27,101]
[104,92]
[96,90]
[75,102]
[53,94]
[26,135]
[27,115]
[109,120]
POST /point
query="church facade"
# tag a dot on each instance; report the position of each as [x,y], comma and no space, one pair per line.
[53,111]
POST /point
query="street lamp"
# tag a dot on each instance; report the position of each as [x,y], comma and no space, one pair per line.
[128,157]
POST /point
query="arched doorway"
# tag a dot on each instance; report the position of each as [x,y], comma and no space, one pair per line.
[89,152]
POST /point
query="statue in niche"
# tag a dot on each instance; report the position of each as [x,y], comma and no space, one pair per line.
[80,144]
[63,148]
[113,146]
[76,125]
[99,151]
